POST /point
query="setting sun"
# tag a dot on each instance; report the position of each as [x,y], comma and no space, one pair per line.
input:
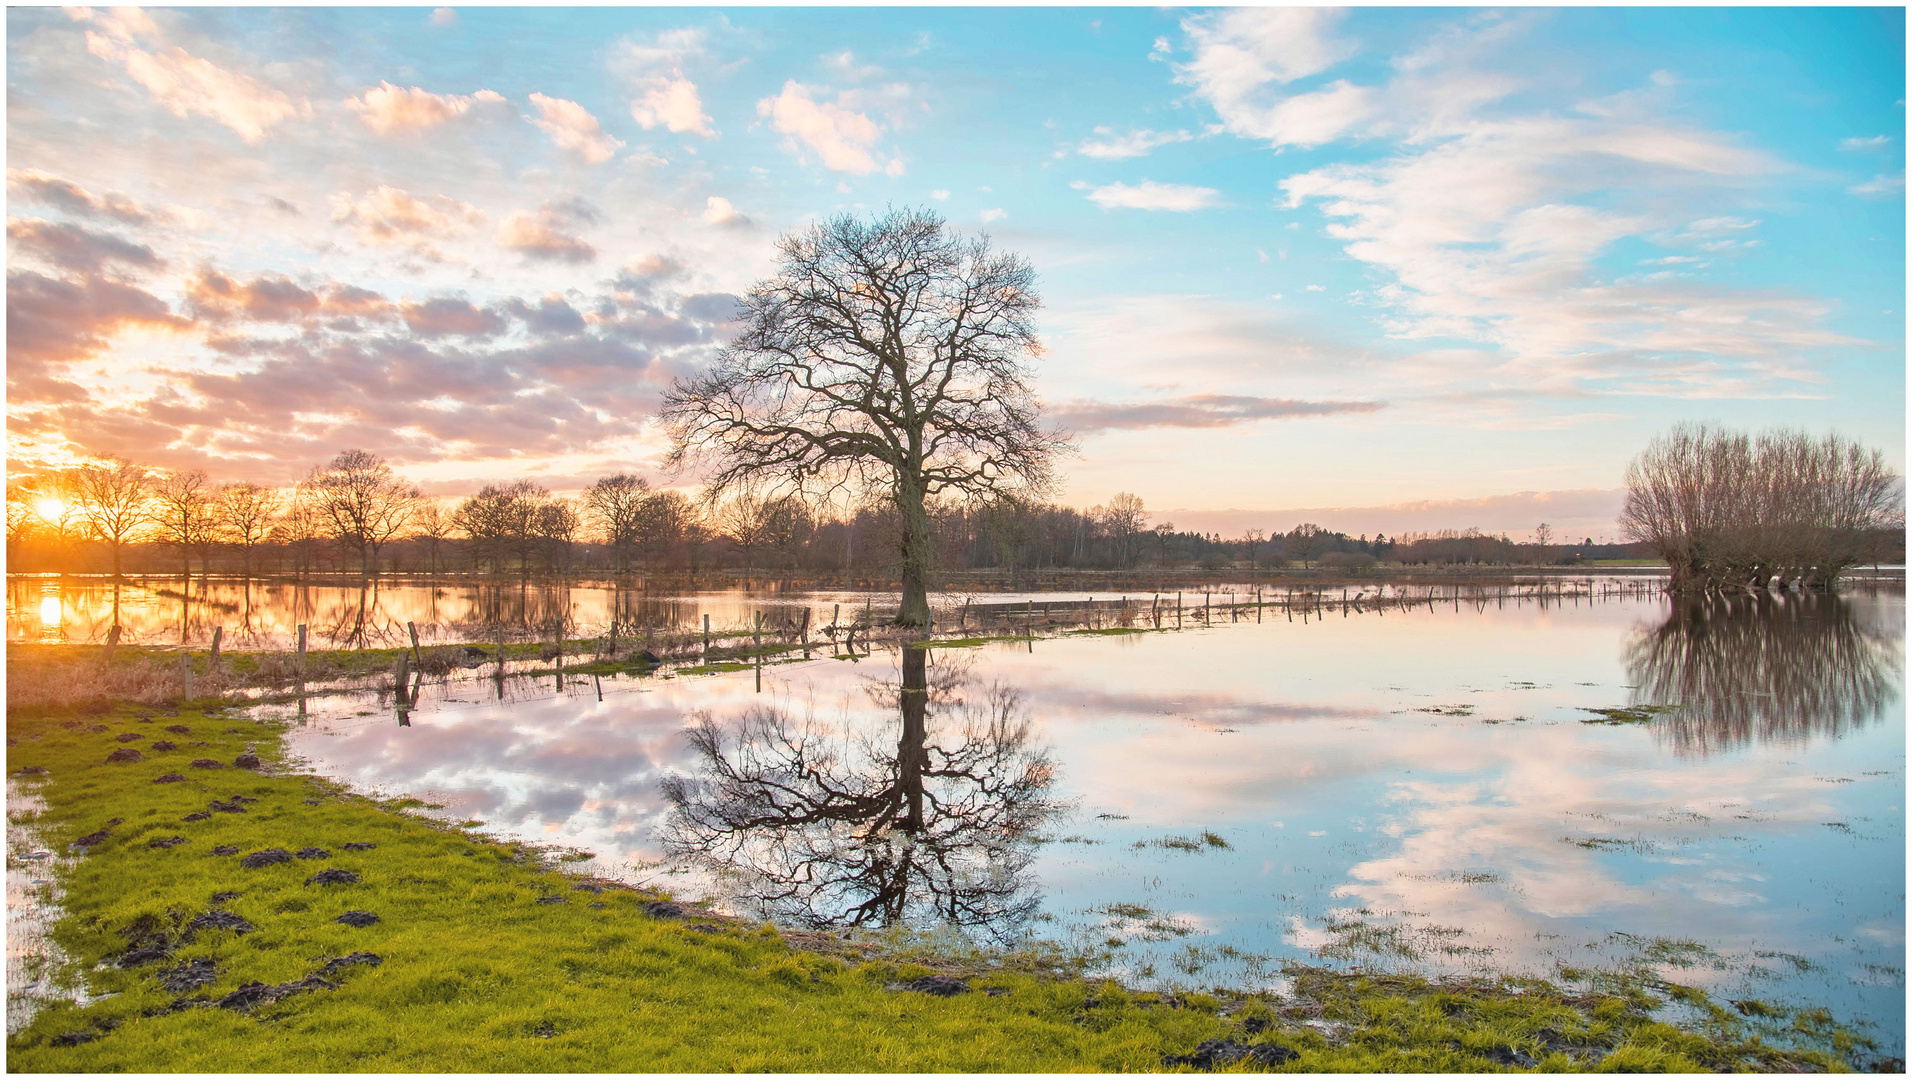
[50,508]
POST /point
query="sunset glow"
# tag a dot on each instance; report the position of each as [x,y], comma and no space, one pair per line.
[1402,268]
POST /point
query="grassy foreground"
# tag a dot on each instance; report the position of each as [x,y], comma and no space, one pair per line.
[490,959]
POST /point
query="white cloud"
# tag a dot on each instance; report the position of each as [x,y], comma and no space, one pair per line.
[574,129]
[1880,187]
[996,214]
[548,235]
[940,194]
[1313,288]
[671,101]
[444,17]
[1149,195]
[388,215]
[185,84]
[662,95]
[843,138]
[389,109]
[1240,54]
[718,211]
[1134,144]
[1876,142]
[1486,240]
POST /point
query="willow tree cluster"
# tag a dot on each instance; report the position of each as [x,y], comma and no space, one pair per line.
[1730,510]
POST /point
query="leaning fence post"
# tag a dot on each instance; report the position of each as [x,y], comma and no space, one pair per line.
[212,665]
[707,637]
[413,630]
[186,675]
[301,648]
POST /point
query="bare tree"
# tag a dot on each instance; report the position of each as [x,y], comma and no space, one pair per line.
[887,358]
[745,521]
[361,503]
[1725,509]
[244,515]
[183,516]
[114,496]
[665,519]
[432,525]
[555,524]
[615,504]
[1123,518]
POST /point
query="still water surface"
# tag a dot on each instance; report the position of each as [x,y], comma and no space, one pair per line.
[1417,788]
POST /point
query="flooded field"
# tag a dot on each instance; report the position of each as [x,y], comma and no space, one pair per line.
[1713,790]
[266,613]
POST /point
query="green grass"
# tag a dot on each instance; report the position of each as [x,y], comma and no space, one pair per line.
[476,974]
[1637,714]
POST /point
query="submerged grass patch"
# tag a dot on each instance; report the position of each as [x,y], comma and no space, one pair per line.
[227,953]
[1634,714]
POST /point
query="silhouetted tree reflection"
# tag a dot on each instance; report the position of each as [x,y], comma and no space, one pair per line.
[826,827]
[1762,667]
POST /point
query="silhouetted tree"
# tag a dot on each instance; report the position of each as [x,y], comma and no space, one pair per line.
[360,503]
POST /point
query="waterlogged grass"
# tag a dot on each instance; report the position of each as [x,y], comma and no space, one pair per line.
[491,959]
[1637,714]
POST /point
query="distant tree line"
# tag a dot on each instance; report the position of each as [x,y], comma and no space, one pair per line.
[354,515]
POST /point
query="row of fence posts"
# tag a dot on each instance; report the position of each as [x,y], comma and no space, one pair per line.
[408,674]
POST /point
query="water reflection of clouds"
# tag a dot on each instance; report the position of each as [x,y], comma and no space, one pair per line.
[1334,792]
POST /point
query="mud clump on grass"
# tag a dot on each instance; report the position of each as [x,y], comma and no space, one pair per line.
[267,857]
[247,760]
[227,849]
[197,815]
[226,807]
[74,1038]
[333,877]
[256,993]
[200,763]
[130,736]
[221,920]
[169,778]
[937,986]
[1215,1052]
[333,967]
[161,744]
[359,845]
[360,919]
[33,770]
[313,853]
[189,976]
[125,754]
[179,729]
[551,900]
[664,909]
[222,897]
[166,842]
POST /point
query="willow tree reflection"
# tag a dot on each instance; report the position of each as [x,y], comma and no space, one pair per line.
[1762,667]
[823,826]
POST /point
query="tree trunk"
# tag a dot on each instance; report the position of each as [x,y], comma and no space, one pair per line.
[911,755]
[915,547]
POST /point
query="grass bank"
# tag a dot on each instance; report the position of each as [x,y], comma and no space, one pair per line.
[485,956]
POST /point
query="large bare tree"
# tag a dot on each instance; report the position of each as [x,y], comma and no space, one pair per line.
[114,496]
[361,503]
[246,513]
[615,504]
[1729,510]
[888,358]
[183,517]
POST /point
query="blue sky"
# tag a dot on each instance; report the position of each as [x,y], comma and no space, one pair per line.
[1291,258]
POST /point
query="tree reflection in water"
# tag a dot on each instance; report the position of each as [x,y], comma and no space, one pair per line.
[1762,668]
[828,827]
